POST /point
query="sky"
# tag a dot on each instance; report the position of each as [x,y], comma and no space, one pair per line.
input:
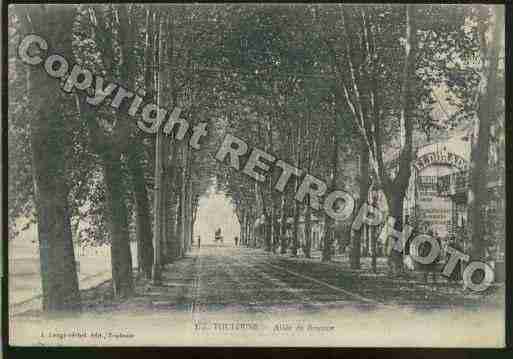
[215,210]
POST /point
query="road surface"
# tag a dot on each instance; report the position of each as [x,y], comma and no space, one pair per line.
[224,277]
[227,295]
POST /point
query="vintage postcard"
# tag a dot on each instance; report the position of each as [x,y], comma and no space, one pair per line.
[256,175]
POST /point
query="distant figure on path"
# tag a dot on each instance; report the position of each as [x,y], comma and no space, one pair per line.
[236,241]
[218,236]
[199,242]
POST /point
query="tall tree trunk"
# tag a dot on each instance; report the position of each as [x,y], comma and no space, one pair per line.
[110,150]
[194,216]
[365,241]
[142,219]
[308,233]
[57,257]
[277,227]
[364,193]
[244,228]
[184,200]
[248,229]
[47,136]
[329,232]
[172,219]
[173,186]
[179,218]
[250,234]
[268,231]
[283,227]
[273,229]
[168,224]
[369,120]
[164,212]
[166,198]
[159,162]
[327,240]
[184,214]
[478,195]
[395,206]
[121,258]
[191,227]
[189,208]
[373,240]
[295,230]
[243,233]
[395,189]
[179,204]
[247,219]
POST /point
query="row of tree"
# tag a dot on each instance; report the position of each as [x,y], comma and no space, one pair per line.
[321,86]
[78,163]
[318,86]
